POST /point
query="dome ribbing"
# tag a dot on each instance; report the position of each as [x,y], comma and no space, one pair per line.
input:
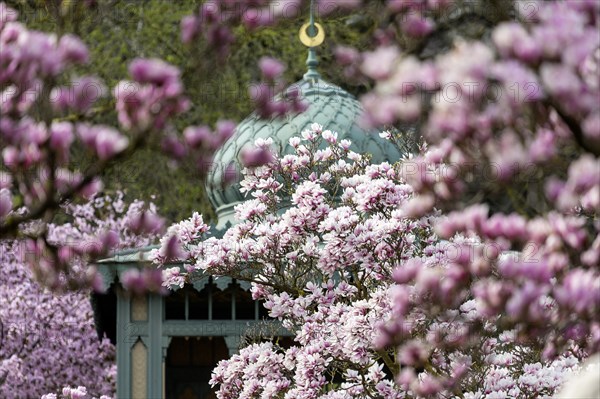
[329,105]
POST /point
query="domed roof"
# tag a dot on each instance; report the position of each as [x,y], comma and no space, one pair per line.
[329,105]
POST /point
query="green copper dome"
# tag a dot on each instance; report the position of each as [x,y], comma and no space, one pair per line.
[329,105]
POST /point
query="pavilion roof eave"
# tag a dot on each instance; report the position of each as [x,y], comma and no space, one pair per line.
[112,268]
[132,255]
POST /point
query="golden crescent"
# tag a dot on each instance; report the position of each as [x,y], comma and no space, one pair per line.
[312,41]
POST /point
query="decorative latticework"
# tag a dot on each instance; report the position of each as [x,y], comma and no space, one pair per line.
[139,308]
[139,371]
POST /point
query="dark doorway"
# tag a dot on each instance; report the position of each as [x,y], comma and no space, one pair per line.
[105,314]
[189,364]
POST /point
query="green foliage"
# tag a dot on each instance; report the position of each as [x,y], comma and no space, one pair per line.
[117,31]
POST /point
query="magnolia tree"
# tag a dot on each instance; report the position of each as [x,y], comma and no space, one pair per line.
[379,304]
[48,339]
[41,97]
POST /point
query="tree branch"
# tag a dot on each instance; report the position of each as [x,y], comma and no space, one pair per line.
[11,224]
[575,129]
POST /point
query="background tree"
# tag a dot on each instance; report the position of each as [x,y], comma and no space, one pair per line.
[116,32]
[48,339]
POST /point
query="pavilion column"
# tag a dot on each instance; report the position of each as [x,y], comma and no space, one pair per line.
[124,343]
[233,344]
[155,347]
[166,341]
